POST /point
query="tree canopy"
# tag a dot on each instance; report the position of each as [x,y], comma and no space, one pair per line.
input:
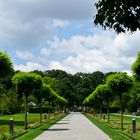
[6,65]
[119,82]
[136,67]
[27,82]
[121,15]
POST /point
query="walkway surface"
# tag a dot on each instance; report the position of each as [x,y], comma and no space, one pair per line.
[75,126]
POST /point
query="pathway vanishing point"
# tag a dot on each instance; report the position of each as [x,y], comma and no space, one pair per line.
[75,126]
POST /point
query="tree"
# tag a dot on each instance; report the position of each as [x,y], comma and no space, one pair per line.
[108,96]
[120,83]
[38,72]
[134,98]
[100,96]
[58,74]
[92,100]
[6,66]
[53,82]
[26,83]
[47,94]
[2,89]
[39,94]
[9,102]
[66,90]
[88,83]
[136,67]
[121,15]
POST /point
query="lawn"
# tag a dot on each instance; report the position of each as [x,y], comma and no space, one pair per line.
[18,121]
[127,120]
[113,130]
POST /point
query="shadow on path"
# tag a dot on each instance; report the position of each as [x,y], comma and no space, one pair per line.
[61,123]
[64,129]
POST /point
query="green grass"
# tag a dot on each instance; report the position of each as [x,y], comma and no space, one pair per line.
[113,134]
[127,123]
[126,120]
[18,121]
[35,132]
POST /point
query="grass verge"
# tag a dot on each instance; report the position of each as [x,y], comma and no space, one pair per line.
[113,134]
[35,132]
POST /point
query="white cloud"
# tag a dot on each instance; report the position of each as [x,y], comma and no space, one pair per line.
[30,66]
[25,55]
[45,51]
[96,52]
[28,23]
[60,23]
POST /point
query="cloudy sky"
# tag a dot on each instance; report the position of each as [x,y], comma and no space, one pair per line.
[60,34]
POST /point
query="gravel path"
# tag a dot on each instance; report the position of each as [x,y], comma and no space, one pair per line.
[75,126]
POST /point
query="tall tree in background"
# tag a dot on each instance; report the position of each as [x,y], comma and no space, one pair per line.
[121,15]
[88,83]
[66,91]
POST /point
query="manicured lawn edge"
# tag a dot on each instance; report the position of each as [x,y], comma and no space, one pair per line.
[37,131]
[113,134]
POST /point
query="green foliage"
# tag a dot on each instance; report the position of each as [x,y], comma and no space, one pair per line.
[136,67]
[66,90]
[9,102]
[134,98]
[58,74]
[53,82]
[6,66]
[38,72]
[119,83]
[116,14]
[101,93]
[10,136]
[88,83]
[2,89]
[26,83]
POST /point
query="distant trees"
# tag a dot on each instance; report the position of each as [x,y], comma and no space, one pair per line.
[75,87]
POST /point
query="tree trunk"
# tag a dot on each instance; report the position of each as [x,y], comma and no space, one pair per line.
[65,110]
[100,111]
[49,110]
[25,121]
[121,113]
[108,113]
[40,108]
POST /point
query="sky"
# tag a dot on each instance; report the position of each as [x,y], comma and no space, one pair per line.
[60,34]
